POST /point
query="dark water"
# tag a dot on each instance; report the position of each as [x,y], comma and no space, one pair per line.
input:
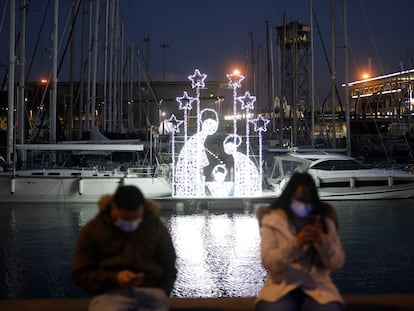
[218,250]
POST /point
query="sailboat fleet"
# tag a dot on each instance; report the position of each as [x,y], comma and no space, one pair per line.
[57,175]
[45,172]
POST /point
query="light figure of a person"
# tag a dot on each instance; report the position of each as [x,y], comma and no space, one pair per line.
[192,159]
[246,175]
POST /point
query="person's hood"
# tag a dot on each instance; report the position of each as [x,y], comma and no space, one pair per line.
[262,211]
[151,206]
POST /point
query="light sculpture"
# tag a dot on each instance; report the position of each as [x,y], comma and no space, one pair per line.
[260,126]
[234,83]
[247,180]
[192,158]
[175,129]
[188,169]
[247,104]
[185,102]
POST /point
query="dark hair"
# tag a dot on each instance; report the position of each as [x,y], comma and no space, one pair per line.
[306,180]
[128,197]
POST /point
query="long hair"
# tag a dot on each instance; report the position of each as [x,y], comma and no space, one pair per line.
[306,180]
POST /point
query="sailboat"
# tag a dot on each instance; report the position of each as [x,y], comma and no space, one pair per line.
[52,177]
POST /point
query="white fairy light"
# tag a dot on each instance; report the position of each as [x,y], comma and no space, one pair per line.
[197,82]
[185,102]
[260,125]
[247,101]
[197,79]
[247,104]
[188,173]
[176,123]
[235,80]
[175,129]
[192,159]
[247,180]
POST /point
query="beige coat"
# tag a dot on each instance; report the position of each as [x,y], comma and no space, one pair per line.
[289,268]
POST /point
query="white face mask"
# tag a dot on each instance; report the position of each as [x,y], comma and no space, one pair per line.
[128,226]
[300,209]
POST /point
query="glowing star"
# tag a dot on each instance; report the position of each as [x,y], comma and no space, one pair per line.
[235,80]
[185,102]
[260,124]
[247,101]
[176,123]
[197,79]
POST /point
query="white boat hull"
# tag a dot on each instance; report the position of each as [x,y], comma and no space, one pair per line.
[365,193]
[75,186]
[370,184]
[336,181]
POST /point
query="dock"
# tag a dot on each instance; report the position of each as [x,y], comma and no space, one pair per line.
[369,302]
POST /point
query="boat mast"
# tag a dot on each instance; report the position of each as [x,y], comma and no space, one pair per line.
[333,78]
[89,71]
[270,73]
[95,65]
[104,112]
[111,64]
[52,118]
[71,74]
[22,62]
[347,107]
[312,91]
[10,113]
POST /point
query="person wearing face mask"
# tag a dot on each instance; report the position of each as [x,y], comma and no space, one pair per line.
[124,256]
[300,246]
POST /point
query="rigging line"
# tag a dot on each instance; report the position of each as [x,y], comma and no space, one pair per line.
[37,40]
[351,51]
[69,36]
[3,15]
[372,36]
[327,60]
[147,81]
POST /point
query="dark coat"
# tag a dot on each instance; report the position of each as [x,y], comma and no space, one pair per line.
[102,250]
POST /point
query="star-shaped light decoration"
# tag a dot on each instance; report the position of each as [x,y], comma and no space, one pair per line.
[185,102]
[247,101]
[260,124]
[176,123]
[235,79]
[197,79]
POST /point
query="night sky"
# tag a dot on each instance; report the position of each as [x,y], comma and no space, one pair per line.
[215,36]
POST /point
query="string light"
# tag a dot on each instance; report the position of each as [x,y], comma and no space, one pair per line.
[260,126]
[175,129]
[247,101]
[188,176]
[188,179]
[247,180]
[247,104]
[197,79]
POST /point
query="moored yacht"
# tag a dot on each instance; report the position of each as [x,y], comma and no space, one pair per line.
[84,183]
[341,177]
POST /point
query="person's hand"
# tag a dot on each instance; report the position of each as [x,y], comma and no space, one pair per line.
[127,278]
[309,235]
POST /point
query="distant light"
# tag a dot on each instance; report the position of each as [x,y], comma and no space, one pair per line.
[365,76]
[236,72]
[43,81]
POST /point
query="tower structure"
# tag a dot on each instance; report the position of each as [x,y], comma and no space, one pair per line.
[294,45]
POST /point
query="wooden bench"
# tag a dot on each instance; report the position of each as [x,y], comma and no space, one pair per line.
[392,302]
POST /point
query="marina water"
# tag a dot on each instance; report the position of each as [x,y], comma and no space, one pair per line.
[218,248]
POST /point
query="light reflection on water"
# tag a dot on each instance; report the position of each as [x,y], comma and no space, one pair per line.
[218,255]
[218,250]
